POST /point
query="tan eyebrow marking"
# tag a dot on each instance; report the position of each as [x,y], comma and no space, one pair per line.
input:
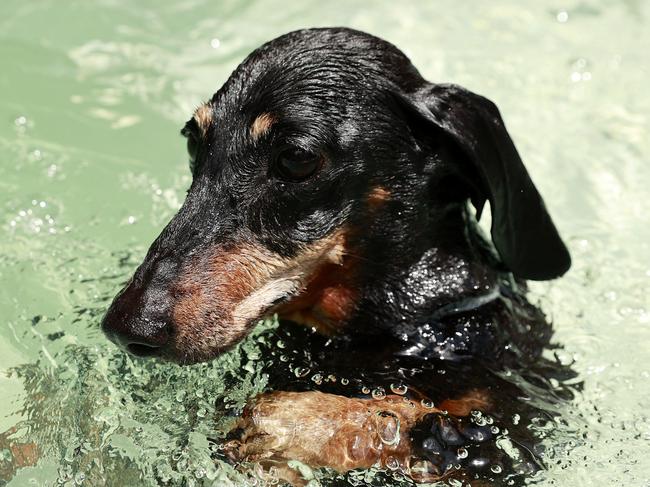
[262,124]
[203,117]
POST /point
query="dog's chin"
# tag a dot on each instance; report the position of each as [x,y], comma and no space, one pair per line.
[191,356]
[207,346]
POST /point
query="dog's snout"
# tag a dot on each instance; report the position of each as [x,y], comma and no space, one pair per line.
[138,320]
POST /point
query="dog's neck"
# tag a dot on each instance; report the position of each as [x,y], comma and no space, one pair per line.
[449,266]
[445,267]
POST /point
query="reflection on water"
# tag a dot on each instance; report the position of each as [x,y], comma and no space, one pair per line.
[91,167]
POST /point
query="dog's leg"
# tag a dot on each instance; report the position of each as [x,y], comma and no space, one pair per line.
[327,430]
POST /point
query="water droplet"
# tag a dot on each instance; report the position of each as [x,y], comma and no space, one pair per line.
[462,453]
[317,379]
[345,381]
[301,372]
[427,403]
[365,390]
[215,43]
[399,389]
[496,468]
[515,419]
[562,16]
[379,393]
[392,463]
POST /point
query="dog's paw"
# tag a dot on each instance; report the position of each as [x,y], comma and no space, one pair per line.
[327,430]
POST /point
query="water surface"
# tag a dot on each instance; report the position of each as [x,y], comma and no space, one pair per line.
[92,95]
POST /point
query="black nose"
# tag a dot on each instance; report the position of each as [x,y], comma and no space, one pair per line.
[137,321]
[142,339]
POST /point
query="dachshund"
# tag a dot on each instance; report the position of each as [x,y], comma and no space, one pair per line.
[336,188]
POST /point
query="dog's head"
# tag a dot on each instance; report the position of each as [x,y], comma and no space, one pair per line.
[325,154]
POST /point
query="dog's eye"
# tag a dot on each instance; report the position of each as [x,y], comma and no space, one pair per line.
[296,164]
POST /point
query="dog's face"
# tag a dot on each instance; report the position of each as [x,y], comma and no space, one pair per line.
[306,162]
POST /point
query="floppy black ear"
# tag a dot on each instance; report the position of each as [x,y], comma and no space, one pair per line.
[522,230]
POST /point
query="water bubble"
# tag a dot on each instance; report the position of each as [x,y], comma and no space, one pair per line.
[330,378]
[317,379]
[577,76]
[344,381]
[515,419]
[562,16]
[365,390]
[379,393]
[215,43]
[496,468]
[301,372]
[392,463]
[427,403]
[399,389]
[462,453]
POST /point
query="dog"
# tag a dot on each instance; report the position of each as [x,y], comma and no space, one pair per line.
[336,188]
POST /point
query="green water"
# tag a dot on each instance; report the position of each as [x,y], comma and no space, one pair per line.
[92,96]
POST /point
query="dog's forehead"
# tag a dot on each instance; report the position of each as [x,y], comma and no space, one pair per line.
[321,80]
[315,64]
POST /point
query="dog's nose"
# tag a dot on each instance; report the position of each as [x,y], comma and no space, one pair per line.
[137,321]
[143,338]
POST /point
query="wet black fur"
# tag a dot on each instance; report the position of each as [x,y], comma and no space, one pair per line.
[360,101]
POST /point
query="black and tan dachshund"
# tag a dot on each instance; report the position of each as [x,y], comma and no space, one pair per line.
[332,186]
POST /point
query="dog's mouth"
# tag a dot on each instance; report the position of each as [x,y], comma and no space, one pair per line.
[141,350]
[221,296]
